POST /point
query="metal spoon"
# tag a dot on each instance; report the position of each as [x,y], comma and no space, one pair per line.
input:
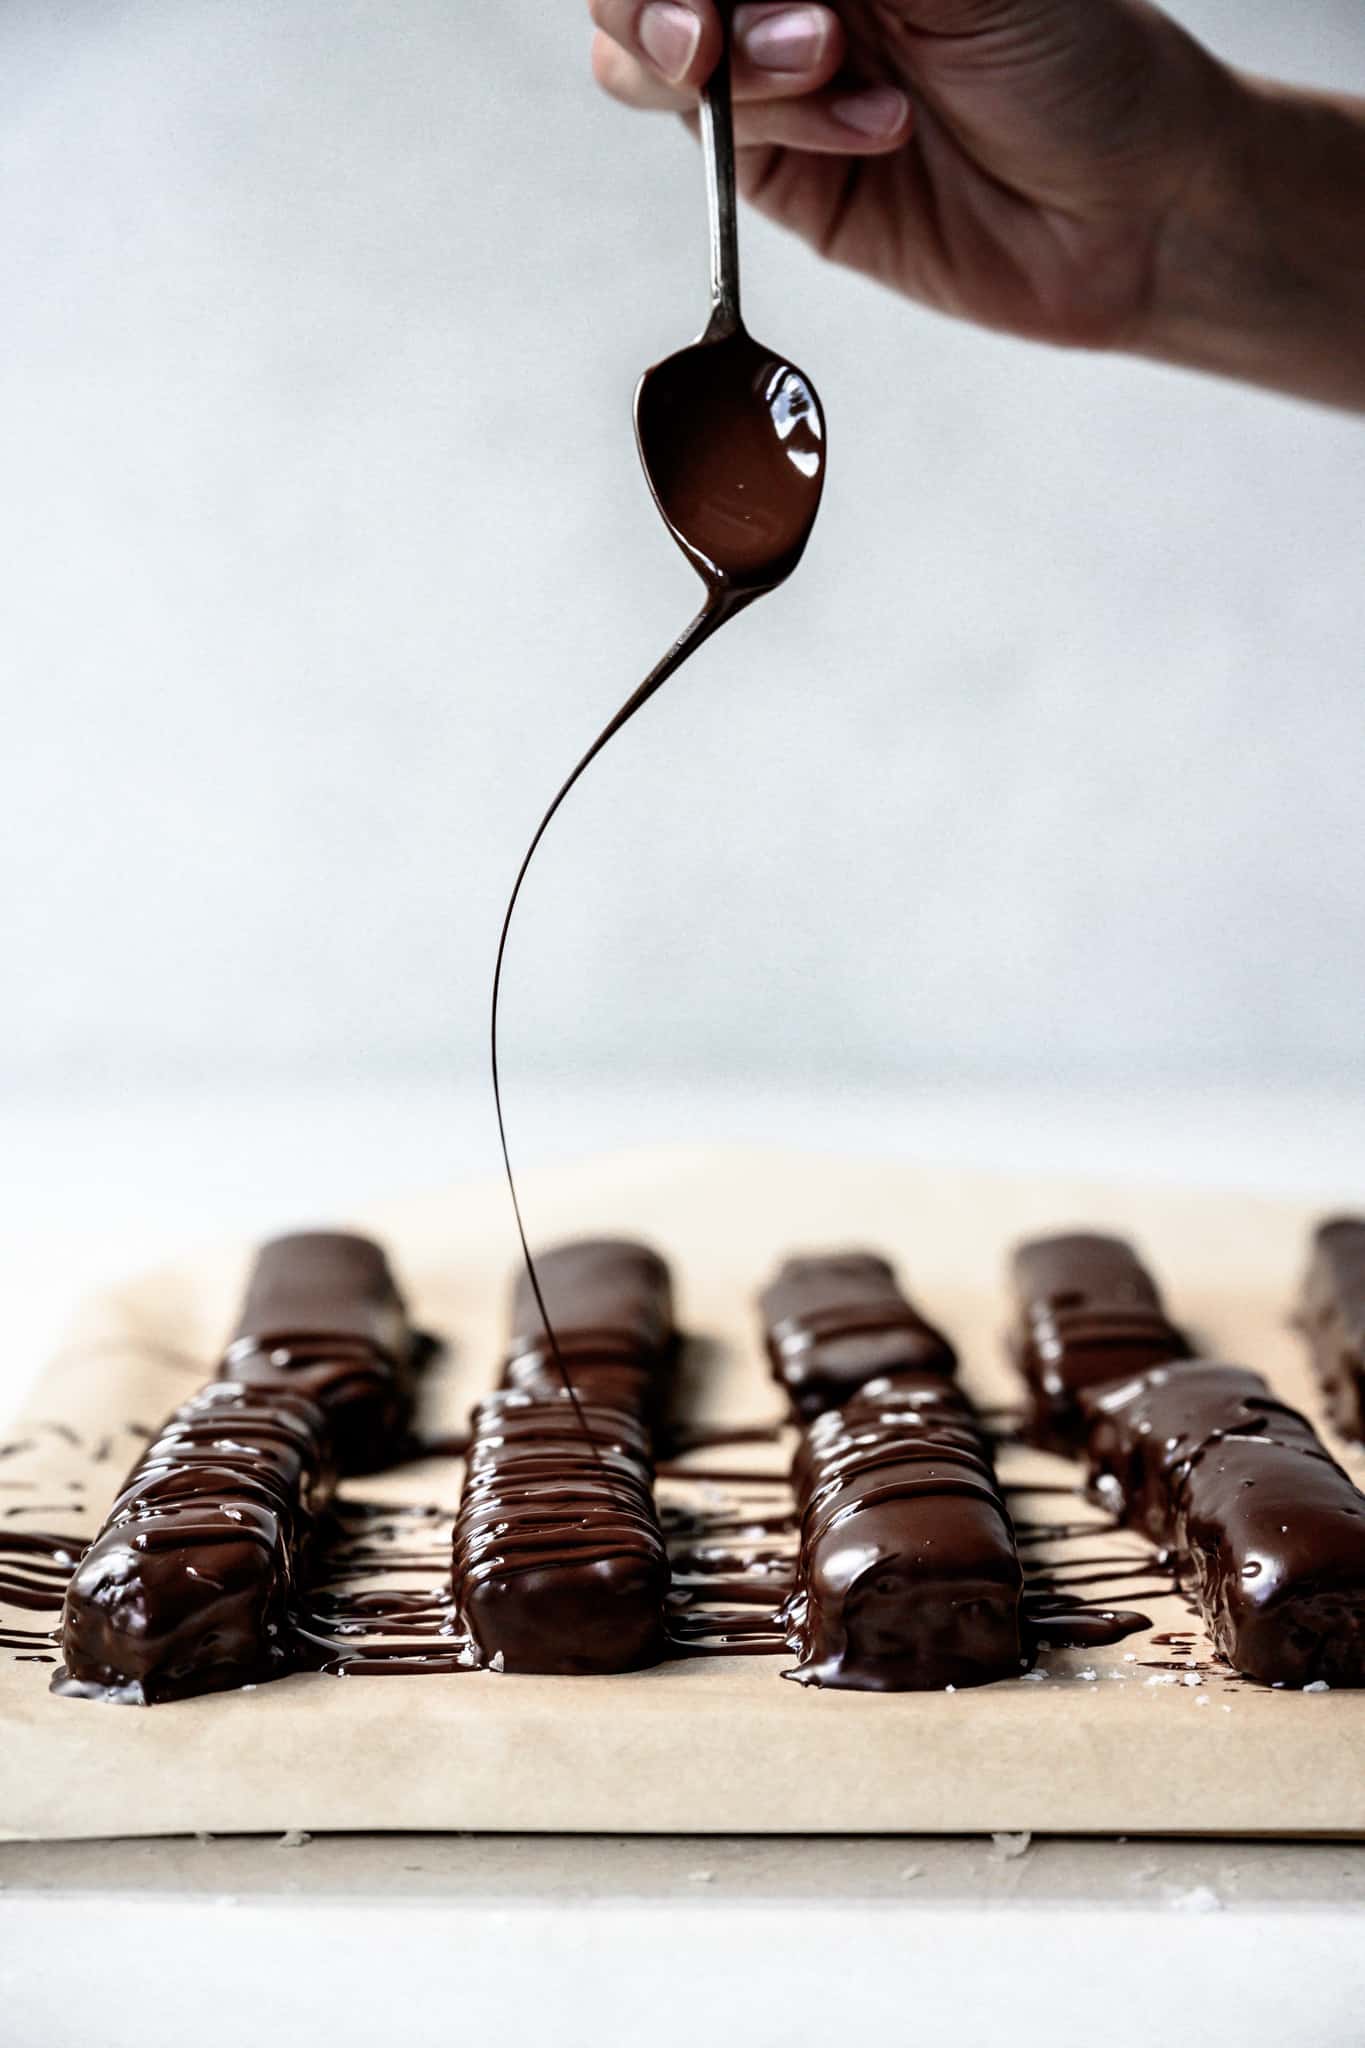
[732,443]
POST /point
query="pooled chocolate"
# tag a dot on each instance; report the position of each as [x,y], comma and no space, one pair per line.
[559,1557]
[187,1588]
[1266,1532]
[323,1317]
[835,1320]
[1332,1315]
[908,1576]
[610,1302]
[1086,1311]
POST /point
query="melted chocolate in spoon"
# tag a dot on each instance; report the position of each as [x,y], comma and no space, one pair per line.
[732,442]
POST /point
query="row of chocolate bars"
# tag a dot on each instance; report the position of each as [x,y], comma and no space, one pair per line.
[908,1574]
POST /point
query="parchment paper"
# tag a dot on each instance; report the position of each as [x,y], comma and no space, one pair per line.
[1103,1745]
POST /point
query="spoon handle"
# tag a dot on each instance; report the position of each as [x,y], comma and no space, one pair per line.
[718,142]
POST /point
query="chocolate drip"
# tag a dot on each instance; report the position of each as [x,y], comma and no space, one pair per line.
[835,1320]
[1086,1310]
[908,1577]
[323,1317]
[187,1587]
[1266,1532]
[1332,1315]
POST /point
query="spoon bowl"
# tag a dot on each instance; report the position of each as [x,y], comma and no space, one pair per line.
[732,443]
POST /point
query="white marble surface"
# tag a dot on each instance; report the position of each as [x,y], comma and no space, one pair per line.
[580,1943]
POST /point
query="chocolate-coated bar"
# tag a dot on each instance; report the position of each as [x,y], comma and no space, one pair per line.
[1086,1310]
[1332,1314]
[908,1576]
[187,1587]
[323,1316]
[1266,1532]
[833,1321]
[559,1557]
[611,1308]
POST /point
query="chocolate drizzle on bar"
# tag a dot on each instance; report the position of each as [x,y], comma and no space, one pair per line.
[1086,1310]
[559,1556]
[1266,1532]
[835,1320]
[611,1306]
[908,1577]
[323,1317]
[190,1584]
[1332,1316]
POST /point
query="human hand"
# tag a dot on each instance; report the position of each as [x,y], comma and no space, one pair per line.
[1017,162]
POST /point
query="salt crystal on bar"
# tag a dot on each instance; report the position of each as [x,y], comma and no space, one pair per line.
[1318,1685]
[1032,1677]
[294,1839]
[497,1661]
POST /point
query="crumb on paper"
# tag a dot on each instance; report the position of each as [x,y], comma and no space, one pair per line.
[1201,1898]
[1009,1848]
[294,1838]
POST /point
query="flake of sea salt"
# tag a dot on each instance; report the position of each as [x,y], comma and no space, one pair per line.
[296,1838]
[1201,1898]
[497,1662]
[1009,1848]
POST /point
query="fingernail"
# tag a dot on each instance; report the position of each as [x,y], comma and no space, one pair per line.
[669,36]
[878,111]
[793,40]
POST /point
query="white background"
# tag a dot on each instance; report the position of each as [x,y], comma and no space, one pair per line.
[325,551]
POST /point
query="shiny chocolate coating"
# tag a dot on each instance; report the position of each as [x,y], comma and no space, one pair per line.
[832,1321]
[559,1557]
[1332,1316]
[611,1303]
[323,1317]
[1267,1533]
[188,1586]
[1086,1310]
[908,1575]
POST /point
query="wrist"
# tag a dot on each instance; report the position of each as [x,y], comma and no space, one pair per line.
[1257,273]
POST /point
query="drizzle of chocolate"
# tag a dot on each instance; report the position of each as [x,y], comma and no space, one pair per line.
[1331,1314]
[1086,1310]
[908,1578]
[559,1557]
[187,1586]
[833,1321]
[1266,1532]
[731,438]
